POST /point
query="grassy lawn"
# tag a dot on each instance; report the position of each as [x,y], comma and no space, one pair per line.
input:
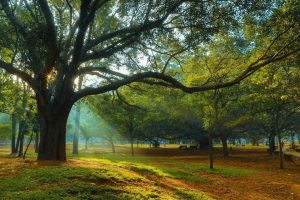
[105,176]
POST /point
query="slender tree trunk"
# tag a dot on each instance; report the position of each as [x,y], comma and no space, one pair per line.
[271,142]
[77,121]
[233,142]
[253,141]
[77,129]
[112,146]
[31,136]
[211,150]
[299,138]
[224,144]
[36,133]
[240,141]
[131,141]
[280,145]
[23,125]
[86,143]
[13,133]
[292,139]
[21,142]
[36,142]
[19,136]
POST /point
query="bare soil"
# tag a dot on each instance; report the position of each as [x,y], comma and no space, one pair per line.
[268,183]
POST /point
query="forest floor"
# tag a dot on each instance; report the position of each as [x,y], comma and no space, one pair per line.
[164,173]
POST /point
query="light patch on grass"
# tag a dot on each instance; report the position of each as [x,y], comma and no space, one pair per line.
[190,195]
[165,172]
[145,192]
[142,164]
[104,161]
[146,169]
[184,175]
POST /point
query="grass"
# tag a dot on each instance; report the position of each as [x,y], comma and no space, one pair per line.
[226,171]
[153,165]
[191,195]
[111,180]
[65,182]
[105,176]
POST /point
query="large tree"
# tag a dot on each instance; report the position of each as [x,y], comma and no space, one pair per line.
[49,45]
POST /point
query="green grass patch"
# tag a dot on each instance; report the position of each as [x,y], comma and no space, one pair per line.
[147,165]
[65,182]
[226,171]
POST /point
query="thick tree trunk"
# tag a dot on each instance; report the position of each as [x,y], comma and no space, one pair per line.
[224,144]
[211,150]
[13,133]
[52,144]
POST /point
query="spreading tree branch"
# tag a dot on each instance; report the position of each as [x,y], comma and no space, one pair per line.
[8,67]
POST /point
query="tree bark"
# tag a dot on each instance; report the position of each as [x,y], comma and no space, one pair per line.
[292,139]
[31,136]
[36,133]
[77,129]
[86,143]
[131,141]
[19,136]
[280,150]
[77,121]
[21,139]
[36,142]
[211,150]
[112,146]
[271,142]
[53,123]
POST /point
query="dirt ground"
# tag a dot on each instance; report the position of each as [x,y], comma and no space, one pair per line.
[269,182]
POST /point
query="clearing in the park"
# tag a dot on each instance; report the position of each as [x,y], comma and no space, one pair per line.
[164,173]
[149,99]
